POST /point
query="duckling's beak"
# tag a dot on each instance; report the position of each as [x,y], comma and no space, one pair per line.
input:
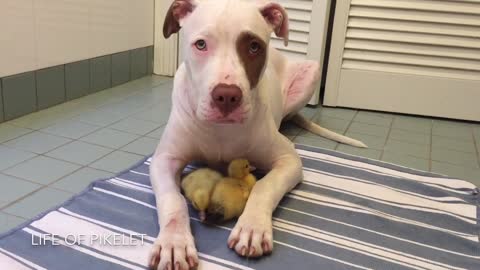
[251,168]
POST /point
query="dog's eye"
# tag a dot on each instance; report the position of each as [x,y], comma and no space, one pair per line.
[201,45]
[254,47]
[246,166]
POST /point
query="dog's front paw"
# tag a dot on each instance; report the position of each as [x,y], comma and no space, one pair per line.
[174,249]
[252,235]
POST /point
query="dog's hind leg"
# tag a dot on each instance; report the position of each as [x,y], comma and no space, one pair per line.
[302,78]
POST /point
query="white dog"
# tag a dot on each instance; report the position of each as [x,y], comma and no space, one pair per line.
[230,96]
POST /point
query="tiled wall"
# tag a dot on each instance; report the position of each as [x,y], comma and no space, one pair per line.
[36,34]
[28,92]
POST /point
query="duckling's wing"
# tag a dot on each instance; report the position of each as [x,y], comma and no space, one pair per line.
[200,179]
[216,211]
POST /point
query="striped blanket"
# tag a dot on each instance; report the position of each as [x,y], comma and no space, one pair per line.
[348,213]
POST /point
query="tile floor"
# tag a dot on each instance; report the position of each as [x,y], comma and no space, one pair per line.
[48,156]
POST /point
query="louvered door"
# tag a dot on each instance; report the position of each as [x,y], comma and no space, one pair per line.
[300,13]
[409,56]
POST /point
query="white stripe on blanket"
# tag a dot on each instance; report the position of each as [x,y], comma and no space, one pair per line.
[453,183]
[7,262]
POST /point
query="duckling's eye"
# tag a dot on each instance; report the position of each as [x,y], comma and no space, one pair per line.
[201,45]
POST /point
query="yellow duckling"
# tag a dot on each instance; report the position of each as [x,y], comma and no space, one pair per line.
[198,186]
[230,194]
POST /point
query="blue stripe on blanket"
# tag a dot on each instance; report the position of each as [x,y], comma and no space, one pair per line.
[348,213]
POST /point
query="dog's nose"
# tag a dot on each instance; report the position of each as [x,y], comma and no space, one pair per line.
[227,98]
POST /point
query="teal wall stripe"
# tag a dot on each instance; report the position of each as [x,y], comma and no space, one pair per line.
[1,102]
[24,93]
[77,79]
[19,95]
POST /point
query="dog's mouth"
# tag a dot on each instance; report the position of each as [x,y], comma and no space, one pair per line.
[236,117]
[224,121]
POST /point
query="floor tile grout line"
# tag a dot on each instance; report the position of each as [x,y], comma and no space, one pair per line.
[410,130]
[48,125]
[58,159]
[123,118]
[444,148]
[40,155]
[386,139]
[123,145]
[21,198]
[64,190]
[69,174]
[55,122]
[363,133]
[70,138]
[33,182]
[454,139]
[13,215]
[334,118]
[74,163]
[346,129]
[109,147]
[12,122]
[372,124]
[78,140]
[109,126]
[130,93]
[362,121]
[9,123]
[408,142]
[113,150]
[99,127]
[70,141]
[409,155]
[50,184]
[378,114]
[31,131]
[430,160]
[476,145]
[28,159]
[36,155]
[455,164]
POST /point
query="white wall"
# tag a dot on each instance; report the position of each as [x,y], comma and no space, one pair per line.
[165,54]
[35,34]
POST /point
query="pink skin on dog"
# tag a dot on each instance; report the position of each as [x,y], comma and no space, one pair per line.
[230,96]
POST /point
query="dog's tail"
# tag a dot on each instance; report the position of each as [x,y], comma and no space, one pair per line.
[316,129]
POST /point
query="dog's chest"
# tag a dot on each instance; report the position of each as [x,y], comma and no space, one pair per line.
[221,148]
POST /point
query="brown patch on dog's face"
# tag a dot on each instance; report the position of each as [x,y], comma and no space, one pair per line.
[253,53]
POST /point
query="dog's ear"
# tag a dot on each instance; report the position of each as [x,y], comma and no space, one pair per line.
[177,11]
[277,17]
